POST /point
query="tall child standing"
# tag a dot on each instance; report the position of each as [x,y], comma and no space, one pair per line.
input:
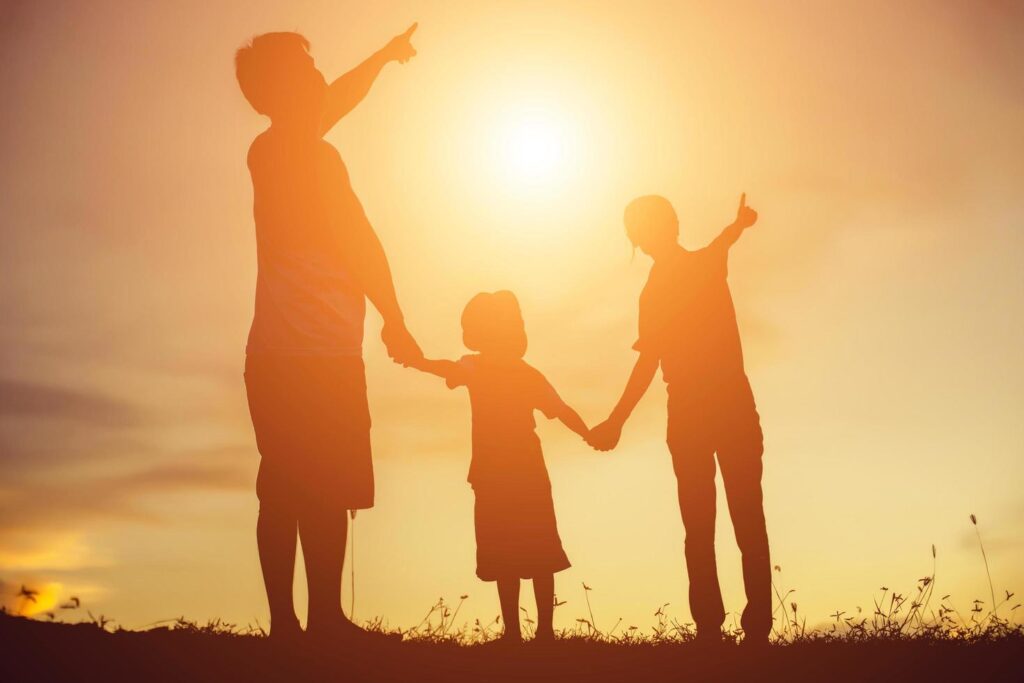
[516,532]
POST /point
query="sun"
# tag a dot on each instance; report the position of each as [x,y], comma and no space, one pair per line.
[535,148]
[523,150]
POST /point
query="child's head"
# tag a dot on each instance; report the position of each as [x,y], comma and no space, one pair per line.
[492,324]
[278,78]
[651,224]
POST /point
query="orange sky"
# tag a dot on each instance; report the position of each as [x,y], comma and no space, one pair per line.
[880,297]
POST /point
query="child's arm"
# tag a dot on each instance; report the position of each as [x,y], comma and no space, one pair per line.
[745,217]
[348,90]
[442,368]
[551,404]
[571,419]
[605,436]
[445,369]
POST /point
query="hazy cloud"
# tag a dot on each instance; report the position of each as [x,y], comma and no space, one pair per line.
[61,503]
[29,399]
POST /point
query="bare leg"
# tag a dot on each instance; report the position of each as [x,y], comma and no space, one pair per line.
[276,534]
[508,595]
[695,470]
[544,592]
[323,533]
[742,474]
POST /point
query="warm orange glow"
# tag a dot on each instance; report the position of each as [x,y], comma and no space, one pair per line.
[879,296]
[534,148]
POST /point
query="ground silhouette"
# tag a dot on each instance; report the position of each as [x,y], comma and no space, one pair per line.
[35,650]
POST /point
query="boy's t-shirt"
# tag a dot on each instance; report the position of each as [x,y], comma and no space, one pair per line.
[503,394]
[688,320]
[307,301]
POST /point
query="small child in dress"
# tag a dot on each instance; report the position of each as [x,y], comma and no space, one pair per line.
[516,533]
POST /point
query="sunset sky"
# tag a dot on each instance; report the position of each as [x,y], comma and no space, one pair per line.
[880,296]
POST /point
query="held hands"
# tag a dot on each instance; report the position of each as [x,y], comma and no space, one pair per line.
[745,216]
[605,436]
[402,348]
[400,47]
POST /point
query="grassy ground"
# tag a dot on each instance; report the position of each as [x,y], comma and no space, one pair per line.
[916,636]
[52,651]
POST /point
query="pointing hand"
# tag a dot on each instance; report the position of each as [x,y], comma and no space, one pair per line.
[745,216]
[400,47]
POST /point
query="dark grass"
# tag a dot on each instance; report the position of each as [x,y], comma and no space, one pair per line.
[906,637]
[32,650]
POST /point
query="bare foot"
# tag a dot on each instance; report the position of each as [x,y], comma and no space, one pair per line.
[505,640]
[344,630]
[544,636]
[284,632]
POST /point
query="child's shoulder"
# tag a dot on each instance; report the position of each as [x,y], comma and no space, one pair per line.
[533,374]
[259,147]
[523,372]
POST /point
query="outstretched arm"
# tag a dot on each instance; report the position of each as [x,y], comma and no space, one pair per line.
[445,369]
[745,217]
[571,419]
[605,436]
[348,90]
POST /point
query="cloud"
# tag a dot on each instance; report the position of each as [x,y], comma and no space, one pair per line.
[28,399]
[45,427]
[58,552]
[29,507]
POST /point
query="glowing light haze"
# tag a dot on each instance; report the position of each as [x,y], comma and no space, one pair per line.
[880,297]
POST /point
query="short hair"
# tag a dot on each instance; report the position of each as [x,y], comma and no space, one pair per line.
[258,68]
[649,214]
[492,322]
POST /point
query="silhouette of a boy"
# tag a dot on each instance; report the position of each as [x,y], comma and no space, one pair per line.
[318,259]
[688,327]
[516,532]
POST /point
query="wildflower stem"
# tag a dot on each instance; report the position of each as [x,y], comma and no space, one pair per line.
[984,557]
[586,595]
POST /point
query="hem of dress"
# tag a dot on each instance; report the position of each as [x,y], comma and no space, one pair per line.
[526,574]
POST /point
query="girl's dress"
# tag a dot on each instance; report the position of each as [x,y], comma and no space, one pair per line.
[516,531]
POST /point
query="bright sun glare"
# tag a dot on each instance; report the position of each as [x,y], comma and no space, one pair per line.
[535,148]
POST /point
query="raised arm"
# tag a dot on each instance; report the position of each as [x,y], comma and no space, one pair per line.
[745,217]
[605,436]
[348,90]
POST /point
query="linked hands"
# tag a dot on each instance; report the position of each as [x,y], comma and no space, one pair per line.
[605,436]
[401,346]
[400,47]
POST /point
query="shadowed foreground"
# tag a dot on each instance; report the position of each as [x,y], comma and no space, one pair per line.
[34,650]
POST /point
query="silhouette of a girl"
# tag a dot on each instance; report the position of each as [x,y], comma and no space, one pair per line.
[516,533]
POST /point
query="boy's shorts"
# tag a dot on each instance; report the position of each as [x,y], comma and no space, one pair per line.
[312,425]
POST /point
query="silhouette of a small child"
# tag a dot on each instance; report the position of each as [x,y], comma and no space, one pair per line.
[516,532]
